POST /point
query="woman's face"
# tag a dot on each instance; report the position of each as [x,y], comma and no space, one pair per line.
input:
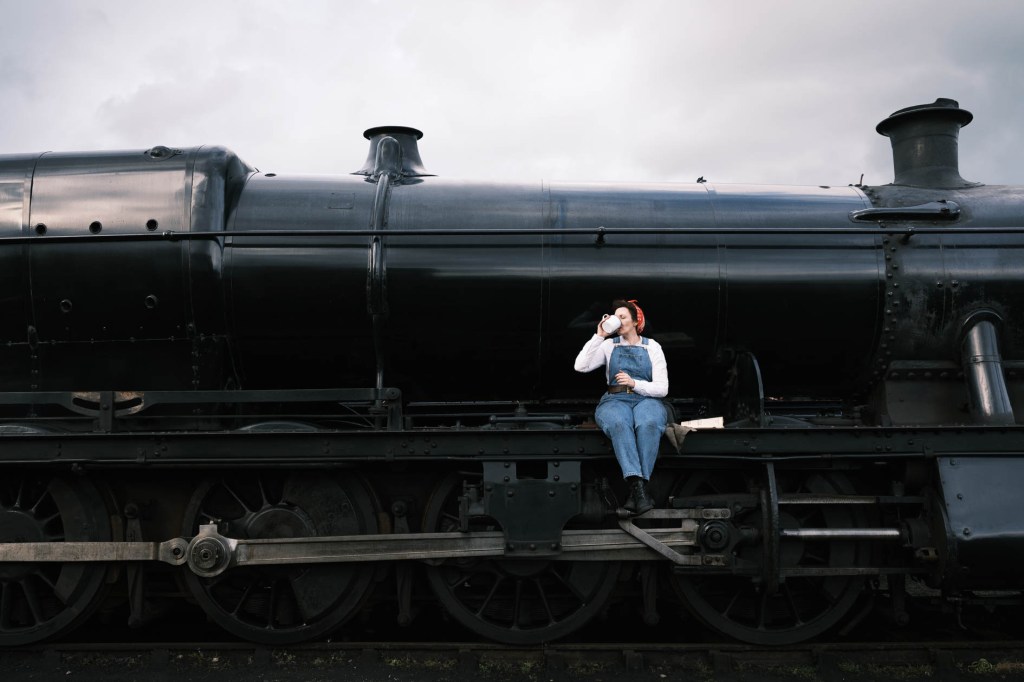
[626,318]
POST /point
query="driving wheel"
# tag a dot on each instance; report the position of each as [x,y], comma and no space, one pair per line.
[42,600]
[284,603]
[515,601]
[800,607]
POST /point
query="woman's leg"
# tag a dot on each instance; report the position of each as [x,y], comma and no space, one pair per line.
[649,416]
[615,417]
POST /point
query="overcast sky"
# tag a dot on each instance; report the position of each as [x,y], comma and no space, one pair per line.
[763,92]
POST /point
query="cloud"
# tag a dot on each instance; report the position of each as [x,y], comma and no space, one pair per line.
[651,91]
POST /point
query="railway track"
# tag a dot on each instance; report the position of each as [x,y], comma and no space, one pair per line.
[228,662]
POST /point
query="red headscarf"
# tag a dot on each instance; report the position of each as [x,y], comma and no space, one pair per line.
[639,316]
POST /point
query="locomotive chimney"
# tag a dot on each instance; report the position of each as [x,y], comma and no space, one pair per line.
[412,165]
[924,143]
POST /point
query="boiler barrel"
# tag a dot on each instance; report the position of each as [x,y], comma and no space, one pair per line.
[499,305]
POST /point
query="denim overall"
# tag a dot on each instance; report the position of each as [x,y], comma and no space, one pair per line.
[633,422]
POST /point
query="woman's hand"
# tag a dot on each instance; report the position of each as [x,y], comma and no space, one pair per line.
[623,379]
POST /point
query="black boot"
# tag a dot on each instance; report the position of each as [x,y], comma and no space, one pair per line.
[630,503]
[640,498]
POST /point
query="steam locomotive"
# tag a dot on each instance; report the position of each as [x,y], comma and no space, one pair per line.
[289,399]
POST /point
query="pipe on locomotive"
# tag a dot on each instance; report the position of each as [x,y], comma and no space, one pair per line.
[983,370]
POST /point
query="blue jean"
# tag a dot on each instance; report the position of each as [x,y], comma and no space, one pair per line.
[635,424]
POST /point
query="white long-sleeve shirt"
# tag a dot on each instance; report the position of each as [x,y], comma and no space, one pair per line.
[598,352]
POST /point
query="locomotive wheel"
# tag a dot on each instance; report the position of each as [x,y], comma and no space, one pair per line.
[802,607]
[39,601]
[515,601]
[287,603]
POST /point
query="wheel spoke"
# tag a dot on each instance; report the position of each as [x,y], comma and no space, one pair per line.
[254,581]
[21,492]
[263,493]
[544,600]
[275,594]
[35,507]
[732,602]
[580,597]
[32,600]
[5,607]
[490,595]
[762,609]
[517,603]
[453,518]
[231,491]
[792,603]
[46,580]
[460,576]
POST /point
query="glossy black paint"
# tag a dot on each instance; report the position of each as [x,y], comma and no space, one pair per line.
[174,309]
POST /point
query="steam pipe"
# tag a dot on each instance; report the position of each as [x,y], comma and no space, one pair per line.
[983,370]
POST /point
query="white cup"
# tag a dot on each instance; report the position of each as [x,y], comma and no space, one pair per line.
[610,324]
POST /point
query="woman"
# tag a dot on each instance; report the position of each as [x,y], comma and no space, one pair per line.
[631,412]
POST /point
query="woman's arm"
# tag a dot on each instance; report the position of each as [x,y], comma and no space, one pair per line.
[592,356]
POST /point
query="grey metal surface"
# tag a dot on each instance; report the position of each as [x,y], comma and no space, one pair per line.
[983,370]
